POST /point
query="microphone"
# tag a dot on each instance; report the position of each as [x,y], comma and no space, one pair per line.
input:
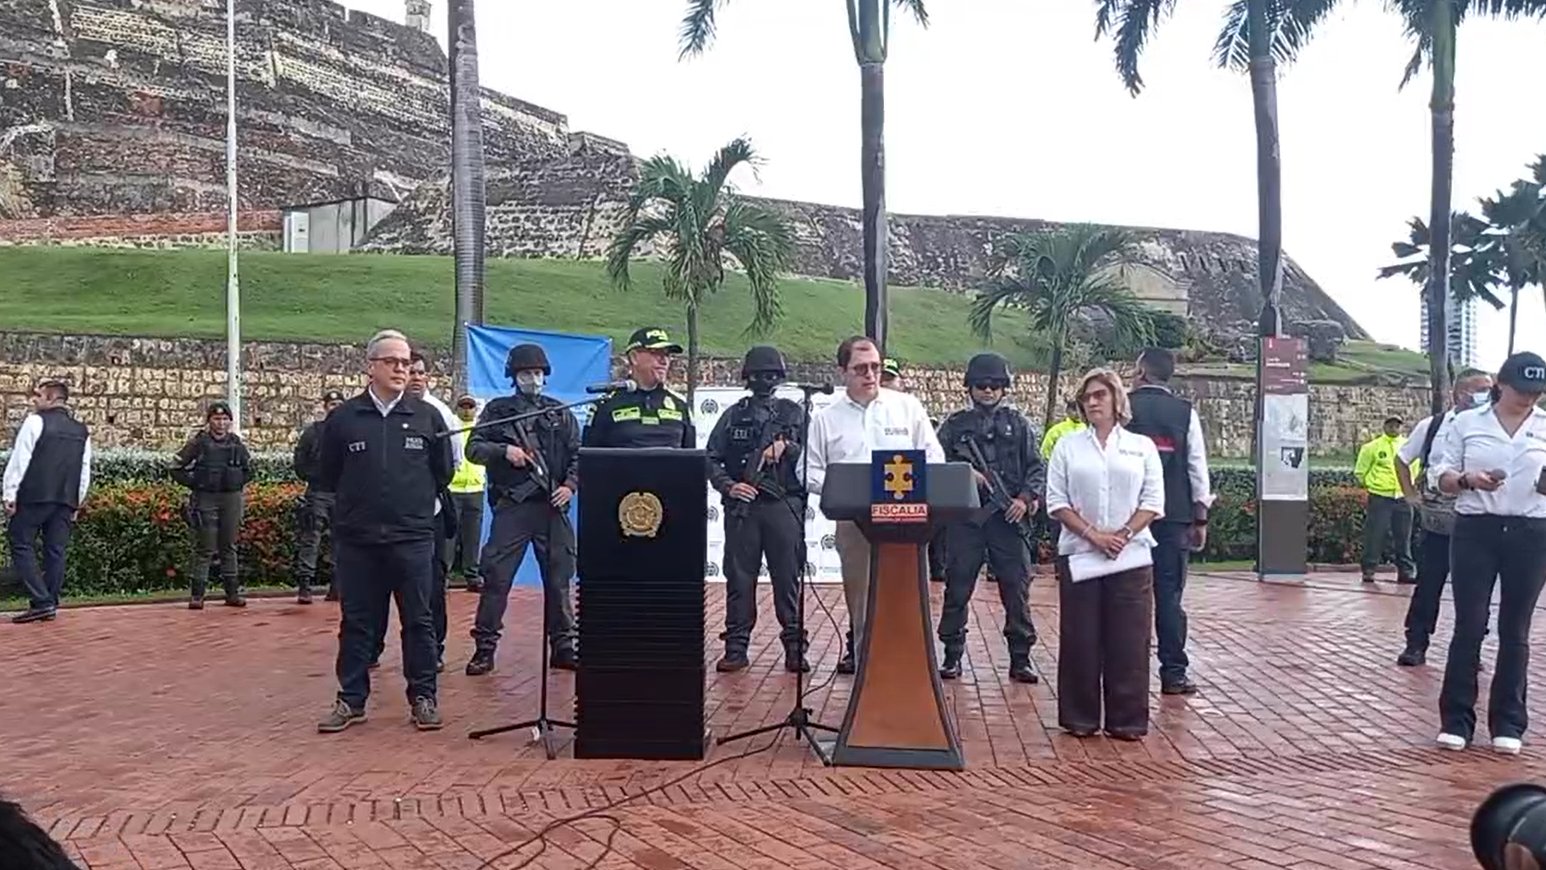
[623,386]
[825,389]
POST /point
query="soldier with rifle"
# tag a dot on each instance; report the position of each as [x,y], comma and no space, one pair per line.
[1000,444]
[314,511]
[532,475]
[751,462]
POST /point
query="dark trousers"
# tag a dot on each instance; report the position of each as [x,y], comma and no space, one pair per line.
[54,523]
[1388,521]
[1422,613]
[939,564]
[437,602]
[774,529]
[369,577]
[315,516]
[534,522]
[463,555]
[994,542]
[219,522]
[1488,550]
[1103,627]
[1172,554]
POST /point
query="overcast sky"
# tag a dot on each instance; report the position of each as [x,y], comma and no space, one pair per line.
[1009,107]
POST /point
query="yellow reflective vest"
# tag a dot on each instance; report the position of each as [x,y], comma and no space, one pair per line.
[470,476]
[1056,431]
[1376,466]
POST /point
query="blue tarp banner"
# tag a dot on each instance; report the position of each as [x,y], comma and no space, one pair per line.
[577,360]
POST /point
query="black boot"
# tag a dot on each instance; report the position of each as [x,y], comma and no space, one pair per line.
[303,592]
[733,660]
[794,660]
[482,662]
[564,660]
[233,594]
[1020,670]
[1416,653]
[950,669]
[196,595]
[846,664]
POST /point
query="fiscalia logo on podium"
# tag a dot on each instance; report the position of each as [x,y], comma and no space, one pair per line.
[898,486]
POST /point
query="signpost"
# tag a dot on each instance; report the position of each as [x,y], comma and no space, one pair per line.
[1282,460]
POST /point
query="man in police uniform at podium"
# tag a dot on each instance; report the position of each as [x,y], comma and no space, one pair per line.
[650,415]
[751,456]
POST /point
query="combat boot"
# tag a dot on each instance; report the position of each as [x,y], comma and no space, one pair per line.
[733,660]
[795,661]
[1021,671]
[950,669]
[481,663]
[846,664]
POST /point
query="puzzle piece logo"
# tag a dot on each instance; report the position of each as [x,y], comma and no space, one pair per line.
[899,477]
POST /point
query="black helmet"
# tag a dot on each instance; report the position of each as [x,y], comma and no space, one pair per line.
[987,367]
[526,356]
[763,358]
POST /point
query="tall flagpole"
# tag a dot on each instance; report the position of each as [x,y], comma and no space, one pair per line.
[233,293]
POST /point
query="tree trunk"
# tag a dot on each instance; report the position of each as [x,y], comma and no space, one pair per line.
[1513,318]
[1054,372]
[467,181]
[873,173]
[692,355]
[1442,109]
[1269,173]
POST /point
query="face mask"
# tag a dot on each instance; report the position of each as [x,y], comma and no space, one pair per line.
[1480,399]
[529,383]
[762,383]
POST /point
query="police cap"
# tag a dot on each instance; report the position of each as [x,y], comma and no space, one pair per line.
[332,396]
[762,358]
[527,356]
[987,367]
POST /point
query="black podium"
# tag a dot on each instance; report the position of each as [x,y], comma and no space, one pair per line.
[896,711]
[643,541]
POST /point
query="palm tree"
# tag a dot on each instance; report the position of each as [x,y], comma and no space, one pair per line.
[1516,237]
[467,179]
[1272,30]
[1060,277]
[1472,266]
[694,221]
[1254,37]
[869,25]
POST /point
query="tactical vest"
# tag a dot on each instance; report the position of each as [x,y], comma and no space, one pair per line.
[218,466]
[752,424]
[54,474]
[1166,419]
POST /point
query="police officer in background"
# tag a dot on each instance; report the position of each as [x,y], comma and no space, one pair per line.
[315,509]
[1002,438]
[467,496]
[751,457]
[649,415]
[533,467]
[216,466]
[387,456]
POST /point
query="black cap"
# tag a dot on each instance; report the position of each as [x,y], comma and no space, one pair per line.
[652,338]
[219,406]
[1525,372]
[332,396]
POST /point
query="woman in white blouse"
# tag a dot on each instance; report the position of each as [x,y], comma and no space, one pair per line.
[1105,486]
[1491,458]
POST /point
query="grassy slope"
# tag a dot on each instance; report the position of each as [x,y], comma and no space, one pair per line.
[343,298]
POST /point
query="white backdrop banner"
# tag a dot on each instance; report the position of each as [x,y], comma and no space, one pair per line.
[822,565]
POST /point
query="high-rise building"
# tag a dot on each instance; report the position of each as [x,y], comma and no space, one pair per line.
[1460,324]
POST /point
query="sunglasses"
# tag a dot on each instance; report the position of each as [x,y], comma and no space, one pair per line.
[989,385]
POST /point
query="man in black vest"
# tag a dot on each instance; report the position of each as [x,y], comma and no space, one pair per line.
[45,482]
[1172,424]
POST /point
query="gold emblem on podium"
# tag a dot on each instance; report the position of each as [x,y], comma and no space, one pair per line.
[639,514]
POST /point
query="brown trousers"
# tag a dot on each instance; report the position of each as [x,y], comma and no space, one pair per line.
[1103,628]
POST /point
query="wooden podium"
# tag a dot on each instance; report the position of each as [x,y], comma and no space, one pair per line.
[896,712]
[642,542]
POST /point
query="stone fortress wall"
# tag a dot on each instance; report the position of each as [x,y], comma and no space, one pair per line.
[151,392]
[112,126]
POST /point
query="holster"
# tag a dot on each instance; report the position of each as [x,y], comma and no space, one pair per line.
[305,516]
[192,515]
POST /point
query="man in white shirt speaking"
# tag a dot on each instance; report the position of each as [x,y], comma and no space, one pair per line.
[865,418]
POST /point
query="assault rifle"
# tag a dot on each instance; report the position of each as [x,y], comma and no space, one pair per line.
[999,496]
[755,473]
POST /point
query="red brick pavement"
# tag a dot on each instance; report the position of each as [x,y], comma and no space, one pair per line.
[153,737]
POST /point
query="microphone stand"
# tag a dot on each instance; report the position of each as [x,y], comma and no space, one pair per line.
[543,724]
[800,718]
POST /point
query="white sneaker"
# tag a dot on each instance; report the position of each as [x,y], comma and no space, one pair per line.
[1452,742]
[1506,745]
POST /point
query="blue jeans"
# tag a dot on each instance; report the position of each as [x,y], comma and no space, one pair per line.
[53,521]
[369,577]
[1172,552]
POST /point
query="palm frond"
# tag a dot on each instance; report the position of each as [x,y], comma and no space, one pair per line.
[697,29]
[762,244]
[1131,22]
[1290,23]
[636,231]
[738,152]
[916,8]
[1058,276]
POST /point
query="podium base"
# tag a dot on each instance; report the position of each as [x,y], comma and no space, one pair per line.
[890,756]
